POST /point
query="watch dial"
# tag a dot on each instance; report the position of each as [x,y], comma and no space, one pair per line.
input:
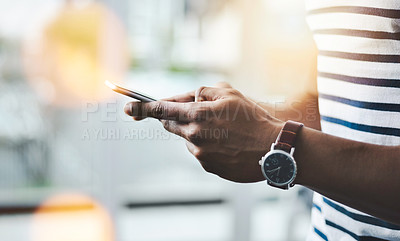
[279,168]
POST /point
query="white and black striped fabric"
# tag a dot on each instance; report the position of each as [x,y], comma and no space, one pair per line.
[359,97]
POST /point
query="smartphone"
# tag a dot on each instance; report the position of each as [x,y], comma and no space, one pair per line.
[130,93]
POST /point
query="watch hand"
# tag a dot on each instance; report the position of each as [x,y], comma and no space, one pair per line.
[274,170]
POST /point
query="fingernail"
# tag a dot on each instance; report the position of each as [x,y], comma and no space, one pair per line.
[128,109]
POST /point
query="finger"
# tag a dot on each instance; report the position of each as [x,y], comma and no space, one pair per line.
[164,110]
[138,118]
[223,84]
[192,148]
[155,109]
[187,97]
[175,127]
[204,159]
[190,131]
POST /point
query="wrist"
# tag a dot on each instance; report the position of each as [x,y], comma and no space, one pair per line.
[275,126]
[302,141]
[267,133]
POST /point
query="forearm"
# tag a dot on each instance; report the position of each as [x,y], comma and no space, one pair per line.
[303,108]
[363,176]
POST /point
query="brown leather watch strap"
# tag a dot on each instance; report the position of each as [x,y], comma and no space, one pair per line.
[287,137]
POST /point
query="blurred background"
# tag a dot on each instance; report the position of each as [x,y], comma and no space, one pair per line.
[74,167]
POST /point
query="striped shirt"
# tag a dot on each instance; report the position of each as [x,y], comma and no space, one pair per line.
[359,97]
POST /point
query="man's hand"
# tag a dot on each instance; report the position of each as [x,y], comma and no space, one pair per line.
[227,132]
[362,176]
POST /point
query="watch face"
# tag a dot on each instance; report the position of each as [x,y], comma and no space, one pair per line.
[279,168]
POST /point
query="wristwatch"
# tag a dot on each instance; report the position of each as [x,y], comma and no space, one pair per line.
[278,165]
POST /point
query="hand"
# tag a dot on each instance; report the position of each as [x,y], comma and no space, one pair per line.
[227,132]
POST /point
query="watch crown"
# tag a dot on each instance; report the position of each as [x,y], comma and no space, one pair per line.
[292,151]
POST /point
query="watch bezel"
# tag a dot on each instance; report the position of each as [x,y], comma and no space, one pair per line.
[291,158]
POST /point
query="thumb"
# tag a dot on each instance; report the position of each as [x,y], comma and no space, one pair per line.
[208,94]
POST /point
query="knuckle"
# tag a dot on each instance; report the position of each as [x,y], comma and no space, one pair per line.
[191,133]
[158,110]
[194,135]
[198,153]
[166,124]
[199,90]
[233,92]
[199,111]
[200,114]
[185,113]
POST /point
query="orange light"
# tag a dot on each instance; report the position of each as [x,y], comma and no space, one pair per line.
[71,217]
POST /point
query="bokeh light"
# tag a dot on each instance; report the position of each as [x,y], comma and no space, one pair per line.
[80,48]
[71,217]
